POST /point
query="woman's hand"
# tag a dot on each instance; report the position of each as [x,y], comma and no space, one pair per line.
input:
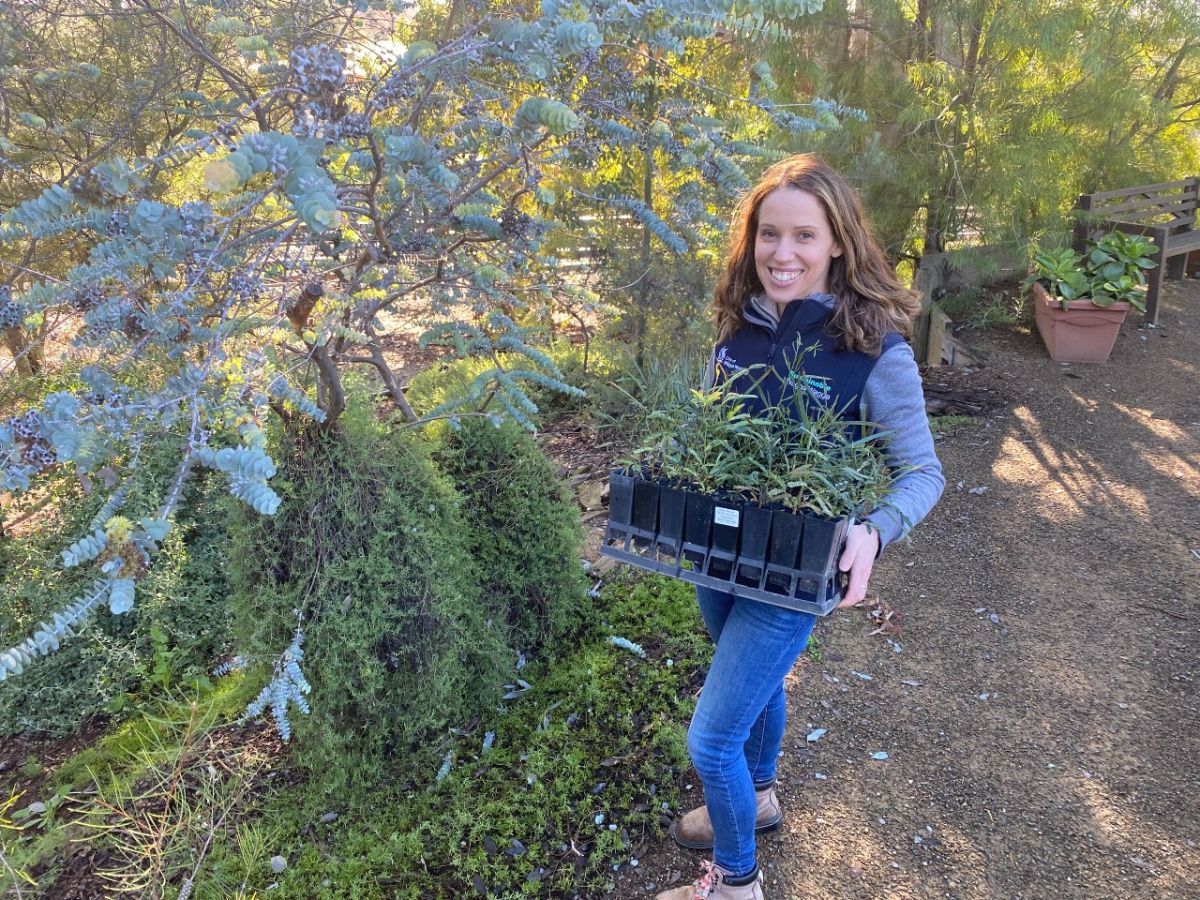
[862,546]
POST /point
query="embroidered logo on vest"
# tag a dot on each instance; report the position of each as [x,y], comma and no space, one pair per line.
[727,363]
[815,386]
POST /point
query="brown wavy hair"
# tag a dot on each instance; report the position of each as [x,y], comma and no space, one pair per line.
[869,302]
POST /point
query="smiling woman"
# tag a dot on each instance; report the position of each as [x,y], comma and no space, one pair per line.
[793,247]
[810,319]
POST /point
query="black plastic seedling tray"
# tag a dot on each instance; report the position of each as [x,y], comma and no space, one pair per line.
[774,556]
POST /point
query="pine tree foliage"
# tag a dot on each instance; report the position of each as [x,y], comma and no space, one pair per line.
[988,120]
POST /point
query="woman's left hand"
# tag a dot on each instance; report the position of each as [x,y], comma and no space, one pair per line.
[862,545]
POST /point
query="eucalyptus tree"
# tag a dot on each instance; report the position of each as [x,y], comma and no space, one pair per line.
[301,196]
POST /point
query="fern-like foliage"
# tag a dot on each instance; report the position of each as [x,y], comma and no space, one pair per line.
[248,467]
[87,547]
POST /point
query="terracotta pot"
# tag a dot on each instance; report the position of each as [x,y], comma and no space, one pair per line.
[1081,333]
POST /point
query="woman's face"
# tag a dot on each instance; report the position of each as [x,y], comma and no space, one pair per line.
[793,246]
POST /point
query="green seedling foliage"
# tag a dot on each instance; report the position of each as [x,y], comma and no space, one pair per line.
[522,529]
[727,440]
[370,548]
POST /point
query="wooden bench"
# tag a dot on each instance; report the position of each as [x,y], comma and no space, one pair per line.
[1164,213]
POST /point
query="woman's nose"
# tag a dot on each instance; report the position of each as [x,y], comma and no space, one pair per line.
[785,249]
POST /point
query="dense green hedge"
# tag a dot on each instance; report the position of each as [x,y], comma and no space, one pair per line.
[415,597]
[522,530]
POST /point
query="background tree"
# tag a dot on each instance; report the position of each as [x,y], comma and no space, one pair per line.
[985,120]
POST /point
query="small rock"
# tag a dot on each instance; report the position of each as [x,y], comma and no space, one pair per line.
[278,864]
[591,494]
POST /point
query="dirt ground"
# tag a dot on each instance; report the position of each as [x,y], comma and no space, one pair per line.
[1039,707]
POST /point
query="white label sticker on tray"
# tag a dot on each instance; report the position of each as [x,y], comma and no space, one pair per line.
[723,516]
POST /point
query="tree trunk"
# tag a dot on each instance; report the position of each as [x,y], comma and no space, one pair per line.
[25,352]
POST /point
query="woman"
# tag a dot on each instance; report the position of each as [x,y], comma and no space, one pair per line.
[803,271]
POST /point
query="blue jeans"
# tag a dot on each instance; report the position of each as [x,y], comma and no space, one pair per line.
[737,729]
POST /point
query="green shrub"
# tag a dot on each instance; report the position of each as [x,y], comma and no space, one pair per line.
[183,594]
[369,547]
[523,531]
[598,740]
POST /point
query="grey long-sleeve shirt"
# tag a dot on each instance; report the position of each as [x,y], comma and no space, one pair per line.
[894,400]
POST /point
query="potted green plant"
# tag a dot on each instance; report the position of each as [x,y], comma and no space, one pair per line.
[1080,302]
[745,498]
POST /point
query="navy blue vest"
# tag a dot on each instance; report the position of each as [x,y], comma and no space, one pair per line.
[772,362]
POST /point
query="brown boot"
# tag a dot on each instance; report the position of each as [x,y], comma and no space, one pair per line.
[694,831]
[711,886]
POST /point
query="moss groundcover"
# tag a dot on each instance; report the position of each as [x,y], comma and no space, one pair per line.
[563,783]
